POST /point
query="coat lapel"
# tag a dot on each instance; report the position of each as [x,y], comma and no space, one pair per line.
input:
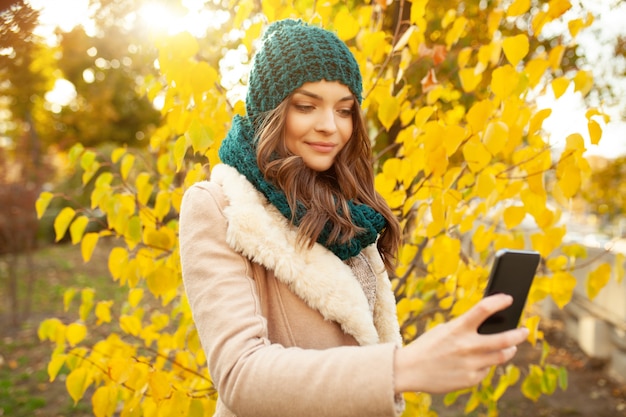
[257,230]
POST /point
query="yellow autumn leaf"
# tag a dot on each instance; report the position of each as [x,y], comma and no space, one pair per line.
[162,204]
[346,24]
[117,154]
[437,223]
[447,258]
[598,279]
[537,120]
[518,7]
[127,165]
[453,136]
[496,136]
[163,238]
[558,7]
[75,333]
[77,228]
[130,324]
[464,56]
[469,79]
[54,366]
[532,324]
[493,21]
[583,82]
[559,86]
[556,56]
[575,26]
[103,312]
[515,48]
[90,166]
[513,216]
[458,27]
[88,244]
[569,180]
[482,238]
[547,241]
[161,281]
[563,284]
[476,155]
[422,115]
[504,81]
[202,77]
[68,296]
[118,259]
[388,111]
[86,303]
[540,289]
[535,69]
[159,384]
[418,10]
[180,148]
[50,328]
[104,401]
[62,222]
[77,383]
[595,132]
[485,184]
[134,296]
[479,114]
[374,45]
[144,188]
[199,135]
[590,113]
[42,203]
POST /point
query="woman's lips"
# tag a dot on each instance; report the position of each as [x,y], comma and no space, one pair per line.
[323,147]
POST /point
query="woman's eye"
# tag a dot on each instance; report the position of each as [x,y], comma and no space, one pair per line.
[305,108]
[345,112]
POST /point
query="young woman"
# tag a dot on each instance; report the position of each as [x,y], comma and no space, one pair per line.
[285,252]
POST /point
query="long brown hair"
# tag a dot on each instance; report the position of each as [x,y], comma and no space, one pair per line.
[325,195]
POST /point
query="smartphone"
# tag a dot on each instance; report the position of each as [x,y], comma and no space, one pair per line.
[512,273]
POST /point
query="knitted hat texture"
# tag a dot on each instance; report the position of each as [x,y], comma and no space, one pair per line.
[293,53]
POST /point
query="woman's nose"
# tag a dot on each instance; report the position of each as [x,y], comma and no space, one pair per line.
[326,121]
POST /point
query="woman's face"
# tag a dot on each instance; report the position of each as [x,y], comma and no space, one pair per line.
[319,122]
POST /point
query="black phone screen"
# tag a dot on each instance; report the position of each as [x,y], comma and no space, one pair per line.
[512,273]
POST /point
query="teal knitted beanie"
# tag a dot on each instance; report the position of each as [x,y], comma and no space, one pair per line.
[293,53]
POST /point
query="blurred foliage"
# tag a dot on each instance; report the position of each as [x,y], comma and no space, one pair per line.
[605,190]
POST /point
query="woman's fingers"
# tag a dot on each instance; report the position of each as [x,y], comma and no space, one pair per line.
[485,308]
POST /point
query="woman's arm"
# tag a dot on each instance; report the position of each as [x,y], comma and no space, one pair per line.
[253,376]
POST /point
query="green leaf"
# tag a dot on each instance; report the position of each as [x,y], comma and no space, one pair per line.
[74,153]
[180,148]
[563,378]
[531,387]
[199,135]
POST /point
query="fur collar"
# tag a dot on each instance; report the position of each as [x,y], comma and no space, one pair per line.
[260,232]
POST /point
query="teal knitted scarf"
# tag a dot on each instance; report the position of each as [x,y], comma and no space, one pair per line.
[238,151]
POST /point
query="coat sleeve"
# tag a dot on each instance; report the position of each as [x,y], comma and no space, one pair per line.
[253,376]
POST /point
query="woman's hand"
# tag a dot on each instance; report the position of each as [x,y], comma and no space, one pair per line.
[454,355]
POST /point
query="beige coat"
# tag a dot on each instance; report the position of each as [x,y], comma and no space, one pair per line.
[281,327]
